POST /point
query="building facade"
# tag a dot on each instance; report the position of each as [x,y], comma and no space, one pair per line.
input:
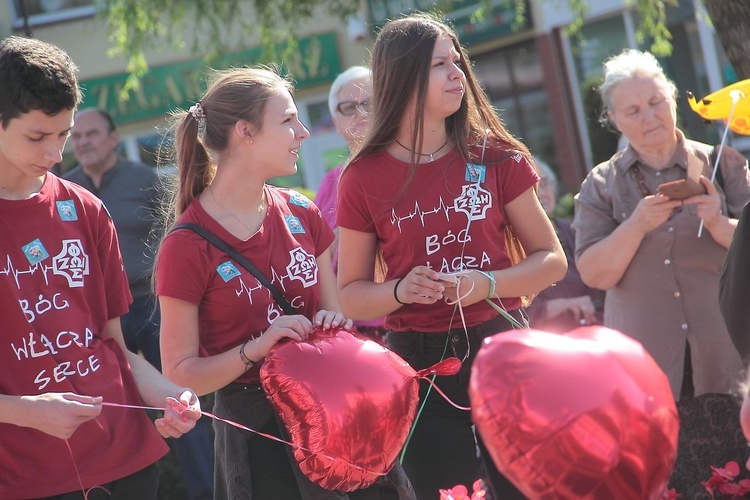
[542,82]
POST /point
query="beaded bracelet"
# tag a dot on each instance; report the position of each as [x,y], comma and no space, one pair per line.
[395,291]
[490,277]
[248,362]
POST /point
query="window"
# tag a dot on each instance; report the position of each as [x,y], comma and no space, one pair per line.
[513,78]
[49,11]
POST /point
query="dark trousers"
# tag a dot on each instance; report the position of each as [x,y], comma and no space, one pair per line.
[140,328]
[141,485]
[443,449]
[253,467]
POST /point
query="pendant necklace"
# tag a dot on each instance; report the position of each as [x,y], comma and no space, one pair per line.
[262,211]
[430,155]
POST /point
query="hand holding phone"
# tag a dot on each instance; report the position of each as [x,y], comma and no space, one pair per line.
[681,189]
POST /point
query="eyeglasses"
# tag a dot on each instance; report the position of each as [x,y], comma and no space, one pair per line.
[349,108]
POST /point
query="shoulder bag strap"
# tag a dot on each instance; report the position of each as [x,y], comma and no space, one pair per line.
[241,260]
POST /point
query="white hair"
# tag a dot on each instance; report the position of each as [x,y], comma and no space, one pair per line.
[546,172]
[628,64]
[351,74]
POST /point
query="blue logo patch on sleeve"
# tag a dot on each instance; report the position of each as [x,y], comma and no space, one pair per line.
[67,210]
[294,225]
[227,270]
[299,199]
[475,173]
[35,251]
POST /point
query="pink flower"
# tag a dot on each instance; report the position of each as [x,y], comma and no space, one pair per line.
[722,483]
[670,494]
[460,492]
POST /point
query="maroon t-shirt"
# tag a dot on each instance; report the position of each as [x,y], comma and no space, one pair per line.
[233,306]
[61,281]
[447,216]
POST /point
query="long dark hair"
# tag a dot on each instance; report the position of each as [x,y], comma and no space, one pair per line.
[400,66]
[401,58]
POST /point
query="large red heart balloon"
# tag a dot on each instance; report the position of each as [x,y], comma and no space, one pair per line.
[584,415]
[347,403]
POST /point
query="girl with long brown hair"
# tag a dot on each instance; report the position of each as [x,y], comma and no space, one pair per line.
[440,187]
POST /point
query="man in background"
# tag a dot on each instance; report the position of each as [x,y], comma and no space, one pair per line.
[130,191]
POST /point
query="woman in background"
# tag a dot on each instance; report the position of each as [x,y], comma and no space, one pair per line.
[661,278]
[349,104]
[570,303]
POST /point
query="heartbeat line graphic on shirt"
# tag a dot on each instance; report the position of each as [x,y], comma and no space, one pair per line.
[422,214]
[474,201]
[248,290]
[11,270]
[275,278]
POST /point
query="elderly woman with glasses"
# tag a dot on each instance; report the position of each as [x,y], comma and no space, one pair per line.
[349,104]
[658,253]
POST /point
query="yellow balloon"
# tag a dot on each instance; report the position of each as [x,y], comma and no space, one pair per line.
[718,106]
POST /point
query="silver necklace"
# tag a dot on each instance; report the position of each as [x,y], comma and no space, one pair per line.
[263,206]
[431,155]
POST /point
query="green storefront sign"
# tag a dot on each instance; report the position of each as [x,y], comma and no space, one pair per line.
[179,85]
[496,23]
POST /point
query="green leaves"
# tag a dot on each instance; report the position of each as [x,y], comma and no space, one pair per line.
[137,26]
[652,25]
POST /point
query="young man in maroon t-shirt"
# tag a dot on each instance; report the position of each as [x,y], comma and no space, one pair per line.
[62,292]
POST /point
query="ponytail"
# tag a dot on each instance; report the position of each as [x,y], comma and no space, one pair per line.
[193,162]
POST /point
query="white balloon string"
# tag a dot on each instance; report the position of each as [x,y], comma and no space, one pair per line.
[474,201]
[460,306]
[736,95]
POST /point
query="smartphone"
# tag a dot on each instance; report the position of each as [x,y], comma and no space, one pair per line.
[681,189]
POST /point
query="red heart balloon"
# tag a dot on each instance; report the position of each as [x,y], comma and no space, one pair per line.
[347,402]
[584,415]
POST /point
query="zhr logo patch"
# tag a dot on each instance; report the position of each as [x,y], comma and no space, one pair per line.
[67,210]
[474,201]
[302,267]
[72,262]
[299,199]
[227,271]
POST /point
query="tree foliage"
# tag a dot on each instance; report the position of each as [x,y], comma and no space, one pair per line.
[136,26]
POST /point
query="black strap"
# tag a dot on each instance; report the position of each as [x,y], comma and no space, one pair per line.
[241,260]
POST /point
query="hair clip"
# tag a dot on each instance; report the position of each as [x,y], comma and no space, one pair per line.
[197,111]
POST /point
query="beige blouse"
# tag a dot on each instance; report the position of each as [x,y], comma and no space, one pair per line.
[669,293]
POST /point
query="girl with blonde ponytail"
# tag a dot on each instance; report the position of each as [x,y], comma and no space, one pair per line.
[218,320]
